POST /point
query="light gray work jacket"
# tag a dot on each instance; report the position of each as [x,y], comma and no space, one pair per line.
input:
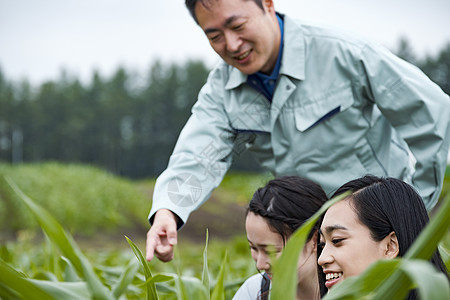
[342,108]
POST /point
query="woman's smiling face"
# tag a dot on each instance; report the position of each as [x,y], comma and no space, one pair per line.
[347,245]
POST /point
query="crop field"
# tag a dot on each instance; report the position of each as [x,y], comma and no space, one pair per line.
[78,232]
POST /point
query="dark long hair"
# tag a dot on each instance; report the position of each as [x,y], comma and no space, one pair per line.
[385,205]
[286,203]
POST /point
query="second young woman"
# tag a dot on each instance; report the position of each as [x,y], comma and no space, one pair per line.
[274,213]
[381,219]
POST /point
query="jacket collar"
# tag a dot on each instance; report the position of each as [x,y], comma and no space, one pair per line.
[292,62]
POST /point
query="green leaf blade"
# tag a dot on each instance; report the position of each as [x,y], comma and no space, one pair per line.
[151,289]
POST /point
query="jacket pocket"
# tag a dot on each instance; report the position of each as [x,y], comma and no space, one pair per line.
[322,108]
[253,118]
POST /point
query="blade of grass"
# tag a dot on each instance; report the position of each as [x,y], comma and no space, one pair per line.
[187,288]
[181,291]
[193,288]
[426,243]
[284,284]
[205,273]
[363,285]
[52,259]
[69,272]
[151,289]
[431,284]
[160,278]
[65,243]
[219,290]
[127,276]
[64,290]
[15,281]
[8,293]
[445,254]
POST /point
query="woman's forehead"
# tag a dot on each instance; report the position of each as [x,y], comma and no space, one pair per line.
[340,215]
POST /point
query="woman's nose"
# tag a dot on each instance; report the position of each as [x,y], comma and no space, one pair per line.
[325,257]
[263,262]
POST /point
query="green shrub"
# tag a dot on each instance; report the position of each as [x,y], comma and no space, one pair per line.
[84,198]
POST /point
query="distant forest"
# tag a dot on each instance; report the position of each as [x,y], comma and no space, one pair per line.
[124,123]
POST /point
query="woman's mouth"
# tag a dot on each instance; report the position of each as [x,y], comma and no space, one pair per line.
[332,279]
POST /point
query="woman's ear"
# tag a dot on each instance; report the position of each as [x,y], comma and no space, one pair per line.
[391,246]
[311,245]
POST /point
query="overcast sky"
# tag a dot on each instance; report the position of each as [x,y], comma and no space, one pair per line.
[38,38]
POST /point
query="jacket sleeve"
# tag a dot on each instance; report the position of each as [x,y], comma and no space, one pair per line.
[419,111]
[201,157]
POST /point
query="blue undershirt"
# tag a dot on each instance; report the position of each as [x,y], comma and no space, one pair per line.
[266,83]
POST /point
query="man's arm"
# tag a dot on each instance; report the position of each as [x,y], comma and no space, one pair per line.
[198,164]
[419,111]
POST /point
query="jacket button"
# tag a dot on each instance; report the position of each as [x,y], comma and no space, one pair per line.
[288,87]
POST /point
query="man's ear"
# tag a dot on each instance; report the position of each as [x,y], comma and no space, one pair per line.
[391,246]
[268,5]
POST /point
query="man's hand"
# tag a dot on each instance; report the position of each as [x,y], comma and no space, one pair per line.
[162,236]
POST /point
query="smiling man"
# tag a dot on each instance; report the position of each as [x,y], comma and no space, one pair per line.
[303,100]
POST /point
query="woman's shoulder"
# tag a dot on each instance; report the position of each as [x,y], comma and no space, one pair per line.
[250,288]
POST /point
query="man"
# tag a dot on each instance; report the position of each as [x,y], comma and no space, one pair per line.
[304,100]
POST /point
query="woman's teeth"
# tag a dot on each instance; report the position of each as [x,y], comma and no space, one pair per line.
[331,276]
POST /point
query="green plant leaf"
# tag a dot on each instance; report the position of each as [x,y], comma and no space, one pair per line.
[64,290]
[126,278]
[219,290]
[431,283]
[205,273]
[160,278]
[52,260]
[192,288]
[16,282]
[151,289]
[362,286]
[69,272]
[284,284]
[445,254]
[65,243]
[426,243]
[8,293]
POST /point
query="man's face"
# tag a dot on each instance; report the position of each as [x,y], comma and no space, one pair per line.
[245,36]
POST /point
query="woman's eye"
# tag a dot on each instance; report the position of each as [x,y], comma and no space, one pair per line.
[336,241]
[321,245]
[273,252]
[238,27]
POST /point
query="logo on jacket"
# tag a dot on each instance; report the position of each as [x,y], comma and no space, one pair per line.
[184,190]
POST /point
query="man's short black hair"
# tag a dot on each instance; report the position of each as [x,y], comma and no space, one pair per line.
[190,5]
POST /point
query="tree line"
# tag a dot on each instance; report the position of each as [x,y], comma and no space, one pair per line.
[125,123]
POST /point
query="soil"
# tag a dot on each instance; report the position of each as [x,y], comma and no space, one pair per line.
[223,222]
